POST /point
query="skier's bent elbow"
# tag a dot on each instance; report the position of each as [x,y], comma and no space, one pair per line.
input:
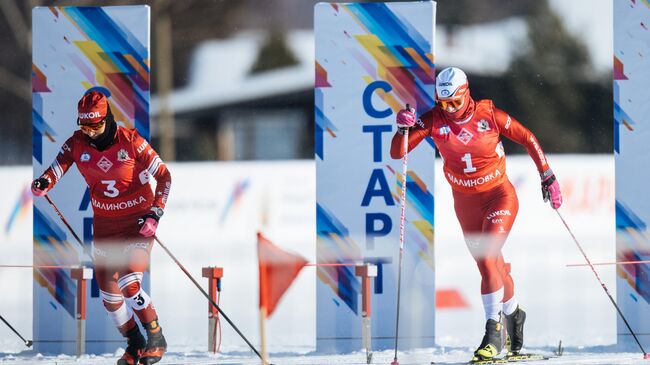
[396,148]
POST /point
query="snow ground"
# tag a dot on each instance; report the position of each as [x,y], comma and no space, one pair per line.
[438,355]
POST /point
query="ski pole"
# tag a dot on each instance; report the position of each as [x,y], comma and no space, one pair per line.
[401,235]
[177,262]
[645,355]
[85,249]
[58,212]
[28,343]
[187,273]
[637,262]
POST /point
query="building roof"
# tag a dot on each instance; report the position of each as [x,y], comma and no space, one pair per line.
[219,73]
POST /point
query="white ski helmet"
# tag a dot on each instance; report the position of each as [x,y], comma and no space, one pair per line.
[451,83]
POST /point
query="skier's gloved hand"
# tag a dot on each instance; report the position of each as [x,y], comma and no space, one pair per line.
[551,189]
[148,226]
[149,222]
[405,119]
[40,186]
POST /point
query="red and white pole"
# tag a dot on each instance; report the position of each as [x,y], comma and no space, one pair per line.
[81,274]
[366,272]
[402,219]
[214,275]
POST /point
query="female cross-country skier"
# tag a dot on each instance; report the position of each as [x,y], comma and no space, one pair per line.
[467,134]
[117,164]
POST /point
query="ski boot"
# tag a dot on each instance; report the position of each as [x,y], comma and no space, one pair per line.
[492,342]
[156,344]
[515,328]
[135,346]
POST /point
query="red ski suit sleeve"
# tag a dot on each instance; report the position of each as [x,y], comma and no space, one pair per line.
[421,130]
[149,159]
[513,130]
[508,127]
[61,164]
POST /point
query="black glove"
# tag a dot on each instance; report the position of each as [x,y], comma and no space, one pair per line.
[40,186]
[546,195]
[155,213]
[41,183]
[551,189]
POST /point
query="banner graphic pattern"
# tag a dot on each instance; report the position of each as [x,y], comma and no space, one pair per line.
[76,49]
[371,60]
[631,73]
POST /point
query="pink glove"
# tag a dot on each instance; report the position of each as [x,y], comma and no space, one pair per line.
[406,117]
[551,189]
[149,227]
[40,186]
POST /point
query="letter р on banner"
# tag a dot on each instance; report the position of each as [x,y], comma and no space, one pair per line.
[74,48]
[371,60]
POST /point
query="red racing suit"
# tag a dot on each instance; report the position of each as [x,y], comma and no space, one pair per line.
[118,179]
[474,164]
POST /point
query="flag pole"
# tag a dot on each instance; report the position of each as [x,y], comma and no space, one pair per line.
[263,302]
[271,261]
[265,355]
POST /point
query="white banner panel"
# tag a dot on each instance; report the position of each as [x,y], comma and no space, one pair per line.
[75,49]
[371,60]
[631,135]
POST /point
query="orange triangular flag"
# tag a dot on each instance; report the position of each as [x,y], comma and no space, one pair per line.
[278,269]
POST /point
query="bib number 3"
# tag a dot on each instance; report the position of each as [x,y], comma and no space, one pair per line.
[111,190]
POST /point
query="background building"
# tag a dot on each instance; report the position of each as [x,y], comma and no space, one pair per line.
[238,73]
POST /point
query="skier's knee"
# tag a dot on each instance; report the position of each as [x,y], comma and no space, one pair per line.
[130,283]
[505,268]
[131,287]
[487,267]
[112,301]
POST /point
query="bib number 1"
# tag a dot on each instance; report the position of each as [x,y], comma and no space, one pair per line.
[467,158]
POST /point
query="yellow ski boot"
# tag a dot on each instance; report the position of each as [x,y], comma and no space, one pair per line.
[492,342]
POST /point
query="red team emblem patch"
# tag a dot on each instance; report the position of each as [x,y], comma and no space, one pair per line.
[104,164]
[464,136]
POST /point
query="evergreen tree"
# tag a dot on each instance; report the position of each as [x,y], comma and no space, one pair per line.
[554,88]
[274,54]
